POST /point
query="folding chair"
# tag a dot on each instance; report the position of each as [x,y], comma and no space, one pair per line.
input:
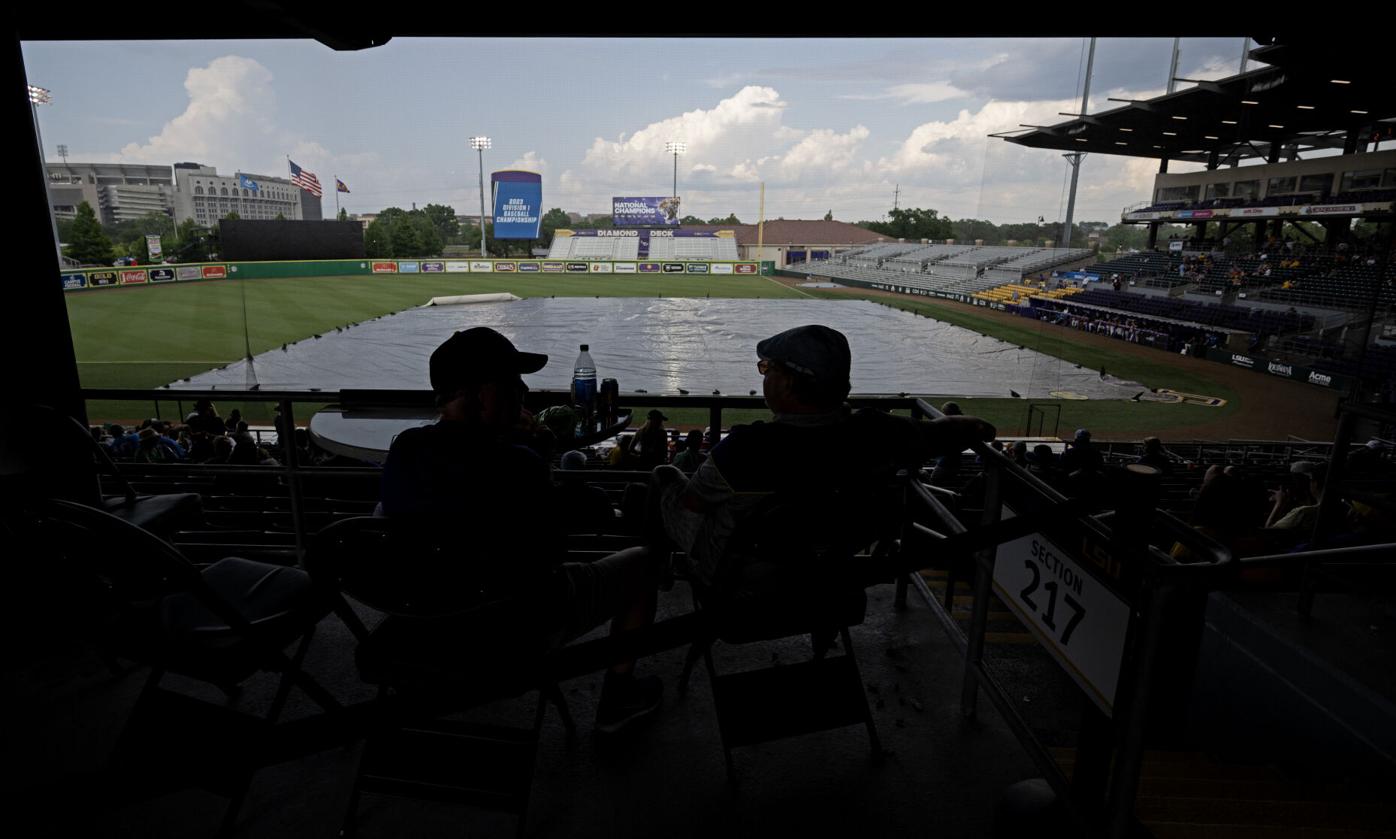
[436,652]
[800,575]
[137,598]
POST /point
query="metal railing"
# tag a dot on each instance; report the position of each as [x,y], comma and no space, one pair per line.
[1105,780]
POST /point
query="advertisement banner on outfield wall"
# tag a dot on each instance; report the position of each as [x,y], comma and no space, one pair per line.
[457,267]
[577,268]
[133,277]
[215,272]
[697,267]
[481,267]
[600,267]
[518,204]
[625,267]
[505,267]
[433,267]
[529,267]
[649,267]
[162,275]
[1256,212]
[188,272]
[72,281]
[409,267]
[553,267]
[385,267]
[745,267]
[722,267]
[673,267]
[101,278]
[640,211]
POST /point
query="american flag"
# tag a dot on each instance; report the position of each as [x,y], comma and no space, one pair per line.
[305,180]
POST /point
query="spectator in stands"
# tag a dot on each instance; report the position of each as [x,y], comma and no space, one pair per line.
[467,478]
[1366,461]
[651,443]
[1019,453]
[1226,512]
[1296,501]
[234,420]
[1042,462]
[121,444]
[244,447]
[691,457]
[805,374]
[1155,455]
[222,450]
[584,507]
[1082,455]
[619,456]
[153,448]
[205,418]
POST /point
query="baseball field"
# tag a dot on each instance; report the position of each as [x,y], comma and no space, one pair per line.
[146,336]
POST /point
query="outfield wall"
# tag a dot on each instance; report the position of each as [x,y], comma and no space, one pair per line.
[93,278]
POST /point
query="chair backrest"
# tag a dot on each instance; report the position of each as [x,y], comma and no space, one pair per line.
[110,576]
[402,569]
[46,453]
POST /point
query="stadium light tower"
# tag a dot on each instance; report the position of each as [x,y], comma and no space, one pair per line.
[479,144]
[39,96]
[676,148]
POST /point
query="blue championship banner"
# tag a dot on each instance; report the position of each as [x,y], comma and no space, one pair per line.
[518,204]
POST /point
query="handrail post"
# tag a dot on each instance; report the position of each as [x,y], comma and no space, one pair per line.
[983,579]
[714,425]
[1129,542]
[292,465]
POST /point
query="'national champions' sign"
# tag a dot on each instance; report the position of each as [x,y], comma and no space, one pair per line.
[645,211]
[518,204]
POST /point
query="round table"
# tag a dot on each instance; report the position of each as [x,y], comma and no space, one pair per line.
[366,433]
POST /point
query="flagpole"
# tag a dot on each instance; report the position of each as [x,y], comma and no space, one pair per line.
[336,198]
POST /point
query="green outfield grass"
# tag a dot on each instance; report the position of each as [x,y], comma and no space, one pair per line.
[148,336]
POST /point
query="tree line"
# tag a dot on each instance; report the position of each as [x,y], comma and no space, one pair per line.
[433,229]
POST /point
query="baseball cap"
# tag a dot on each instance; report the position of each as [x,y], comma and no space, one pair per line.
[476,355]
[815,351]
[655,413]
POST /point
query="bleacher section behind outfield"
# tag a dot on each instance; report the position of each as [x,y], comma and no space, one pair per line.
[948,269]
[693,248]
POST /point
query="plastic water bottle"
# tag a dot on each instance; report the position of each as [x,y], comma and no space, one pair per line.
[584,387]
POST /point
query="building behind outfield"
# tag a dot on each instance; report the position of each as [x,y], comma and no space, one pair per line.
[124,191]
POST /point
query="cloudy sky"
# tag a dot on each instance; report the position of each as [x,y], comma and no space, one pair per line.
[826,124]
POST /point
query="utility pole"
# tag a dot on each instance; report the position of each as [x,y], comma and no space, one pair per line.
[896,196]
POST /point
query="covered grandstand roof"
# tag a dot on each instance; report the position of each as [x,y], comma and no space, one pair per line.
[799,232]
[1306,96]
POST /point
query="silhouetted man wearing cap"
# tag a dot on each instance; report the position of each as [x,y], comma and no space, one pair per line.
[469,477]
[814,446]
